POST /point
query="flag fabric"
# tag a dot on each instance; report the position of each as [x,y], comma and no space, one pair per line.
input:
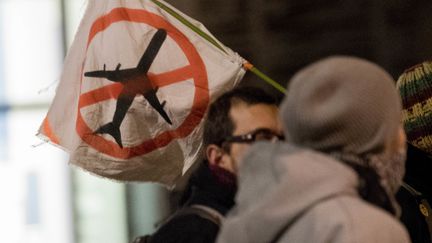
[134,91]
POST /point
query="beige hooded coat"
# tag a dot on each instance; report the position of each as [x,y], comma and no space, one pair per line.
[288,194]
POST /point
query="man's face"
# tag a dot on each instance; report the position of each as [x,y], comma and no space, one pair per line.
[248,118]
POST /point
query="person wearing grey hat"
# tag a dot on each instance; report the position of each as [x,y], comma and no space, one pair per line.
[335,177]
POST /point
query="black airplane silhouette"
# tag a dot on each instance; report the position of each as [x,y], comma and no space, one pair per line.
[135,82]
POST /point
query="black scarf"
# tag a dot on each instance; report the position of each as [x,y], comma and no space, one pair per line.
[204,188]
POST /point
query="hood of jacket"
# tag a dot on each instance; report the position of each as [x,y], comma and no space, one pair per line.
[278,182]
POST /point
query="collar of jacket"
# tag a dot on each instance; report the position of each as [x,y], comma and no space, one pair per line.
[418,172]
[204,189]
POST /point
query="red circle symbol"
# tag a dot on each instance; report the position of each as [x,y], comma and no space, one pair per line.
[195,70]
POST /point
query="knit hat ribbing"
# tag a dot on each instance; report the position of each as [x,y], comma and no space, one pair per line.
[342,104]
[415,88]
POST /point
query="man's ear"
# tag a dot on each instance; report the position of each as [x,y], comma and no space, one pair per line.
[214,154]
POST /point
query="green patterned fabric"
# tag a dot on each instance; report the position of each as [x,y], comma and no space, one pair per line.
[415,89]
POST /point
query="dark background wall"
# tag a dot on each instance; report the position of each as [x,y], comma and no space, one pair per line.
[279,37]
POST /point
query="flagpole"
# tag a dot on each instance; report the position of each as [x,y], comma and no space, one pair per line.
[188,24]
[248,66]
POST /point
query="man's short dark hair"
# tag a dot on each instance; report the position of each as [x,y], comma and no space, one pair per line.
[218,124]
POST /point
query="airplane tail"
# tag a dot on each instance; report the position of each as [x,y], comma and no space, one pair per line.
[112,130]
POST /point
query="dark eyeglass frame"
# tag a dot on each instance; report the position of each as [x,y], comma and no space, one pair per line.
[267,135]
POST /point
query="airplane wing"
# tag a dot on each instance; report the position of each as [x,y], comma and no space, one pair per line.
[152,50]
[143,66]
[113,75]
[153,100]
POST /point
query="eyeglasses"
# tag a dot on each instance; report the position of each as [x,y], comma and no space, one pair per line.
[260,134]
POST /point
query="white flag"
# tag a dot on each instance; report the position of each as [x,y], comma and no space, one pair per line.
[134,91]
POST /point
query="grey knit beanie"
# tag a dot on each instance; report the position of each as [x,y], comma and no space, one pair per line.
[342,104]
[350,109]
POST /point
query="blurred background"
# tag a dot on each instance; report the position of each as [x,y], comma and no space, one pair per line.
[43,199]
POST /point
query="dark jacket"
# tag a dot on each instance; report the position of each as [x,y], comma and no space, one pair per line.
[202,189]
[418,175]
